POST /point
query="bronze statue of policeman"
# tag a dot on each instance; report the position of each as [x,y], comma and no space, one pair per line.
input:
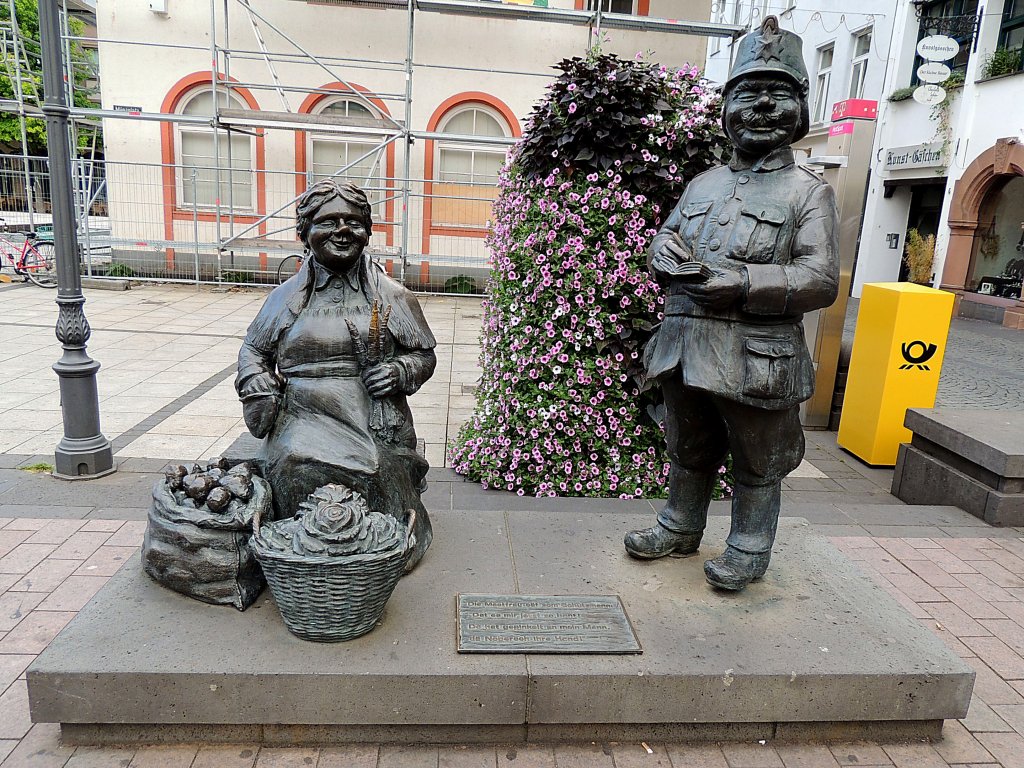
[749,248]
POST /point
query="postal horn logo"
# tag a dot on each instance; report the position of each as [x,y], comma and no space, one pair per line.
[916,354]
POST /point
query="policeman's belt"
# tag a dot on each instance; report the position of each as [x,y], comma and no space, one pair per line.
[683,306]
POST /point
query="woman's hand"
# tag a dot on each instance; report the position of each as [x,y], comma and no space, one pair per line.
[260,413]
[381,379]
[265,383]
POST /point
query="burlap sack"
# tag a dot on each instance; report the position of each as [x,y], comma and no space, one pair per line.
[203,554]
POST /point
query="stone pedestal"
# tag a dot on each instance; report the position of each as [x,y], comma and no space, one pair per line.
[973,459]
[814,651]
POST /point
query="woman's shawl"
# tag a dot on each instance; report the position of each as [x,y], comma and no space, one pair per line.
[406,322]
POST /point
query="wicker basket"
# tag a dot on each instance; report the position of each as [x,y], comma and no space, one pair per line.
[330,599]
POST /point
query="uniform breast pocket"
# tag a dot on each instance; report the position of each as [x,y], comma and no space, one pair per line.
[693,215]
[770,368]
[757,234]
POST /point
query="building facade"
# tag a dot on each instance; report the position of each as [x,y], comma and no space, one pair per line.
[845,51]
[418,106]
[954,169]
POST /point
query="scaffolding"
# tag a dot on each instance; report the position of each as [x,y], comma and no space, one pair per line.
[22,64]
[269,235]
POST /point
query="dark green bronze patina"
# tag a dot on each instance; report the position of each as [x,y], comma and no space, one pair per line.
[327,364]
[730,355]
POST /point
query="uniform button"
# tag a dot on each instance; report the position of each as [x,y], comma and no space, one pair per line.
[743,179]
[723,219]
[714,244]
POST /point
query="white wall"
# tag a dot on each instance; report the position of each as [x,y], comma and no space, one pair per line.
[141,76]
[980,113]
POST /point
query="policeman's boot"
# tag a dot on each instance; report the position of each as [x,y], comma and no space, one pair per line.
[755,518]
[681,522]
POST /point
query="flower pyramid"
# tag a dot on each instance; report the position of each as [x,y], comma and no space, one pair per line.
[563,408]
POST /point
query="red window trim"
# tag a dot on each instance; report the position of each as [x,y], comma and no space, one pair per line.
[171,212]
[468,97]
[308,107]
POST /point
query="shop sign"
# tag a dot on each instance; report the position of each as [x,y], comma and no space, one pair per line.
[915,156]
[866,109]
[938,48]
[841,129]
[929,95]
[933,72]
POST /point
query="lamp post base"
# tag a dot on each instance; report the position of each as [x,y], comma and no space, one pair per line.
[83,459]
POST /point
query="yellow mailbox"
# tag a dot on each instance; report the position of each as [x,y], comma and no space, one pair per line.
[898,349]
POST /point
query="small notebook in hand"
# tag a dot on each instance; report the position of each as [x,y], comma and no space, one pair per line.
[691,272]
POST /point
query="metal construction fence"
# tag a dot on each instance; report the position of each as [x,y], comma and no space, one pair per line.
[167,222]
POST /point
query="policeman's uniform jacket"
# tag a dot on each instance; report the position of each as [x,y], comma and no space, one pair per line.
[776,222]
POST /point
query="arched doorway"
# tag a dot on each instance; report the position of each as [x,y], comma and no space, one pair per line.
[985,220]
[990,172]
[997,256]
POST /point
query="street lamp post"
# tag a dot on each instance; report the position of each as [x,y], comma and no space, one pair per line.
[83,452]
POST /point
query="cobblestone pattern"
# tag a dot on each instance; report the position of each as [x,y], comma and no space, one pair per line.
[984,367]
[970,591]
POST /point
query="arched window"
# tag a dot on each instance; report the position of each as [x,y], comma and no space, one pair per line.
[329,152]
[199,158]
[467,172]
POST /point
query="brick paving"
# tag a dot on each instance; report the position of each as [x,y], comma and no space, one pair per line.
[967,590]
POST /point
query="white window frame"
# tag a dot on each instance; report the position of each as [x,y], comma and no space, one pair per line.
[592,5]
[380,161]
[859,81]
[822,84]
[179,169]
[759,9]
[465,146]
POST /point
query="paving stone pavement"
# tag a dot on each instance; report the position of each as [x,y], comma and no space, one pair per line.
[166,393]
[968,590]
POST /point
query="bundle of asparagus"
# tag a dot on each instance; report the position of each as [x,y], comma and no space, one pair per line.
[385,419]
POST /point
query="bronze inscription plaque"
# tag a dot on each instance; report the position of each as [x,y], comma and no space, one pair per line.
[544,624]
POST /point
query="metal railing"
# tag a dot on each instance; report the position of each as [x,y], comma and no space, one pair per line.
[151,222]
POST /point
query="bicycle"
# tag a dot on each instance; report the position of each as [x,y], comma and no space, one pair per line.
[290,265]
[34,259]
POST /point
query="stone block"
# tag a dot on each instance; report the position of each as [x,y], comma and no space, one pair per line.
[973,459]
[142,664]
[925,479]
[991,439]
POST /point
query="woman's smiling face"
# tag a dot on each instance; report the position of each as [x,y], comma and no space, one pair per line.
[338,235]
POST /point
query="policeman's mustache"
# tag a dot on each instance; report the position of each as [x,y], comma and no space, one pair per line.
[757,119]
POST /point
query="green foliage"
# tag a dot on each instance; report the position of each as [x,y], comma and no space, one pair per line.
[603,111]
[240,276]
[563,407]
[902,94]
[27,12]
[919,256]
[37,469]
[117,269]
[460,284]
[1002,61]
[955,80]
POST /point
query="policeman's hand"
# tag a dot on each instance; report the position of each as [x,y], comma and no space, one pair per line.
[381,379]
[668,257]
[720,290]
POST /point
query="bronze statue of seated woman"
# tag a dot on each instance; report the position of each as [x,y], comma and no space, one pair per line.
[327,364]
